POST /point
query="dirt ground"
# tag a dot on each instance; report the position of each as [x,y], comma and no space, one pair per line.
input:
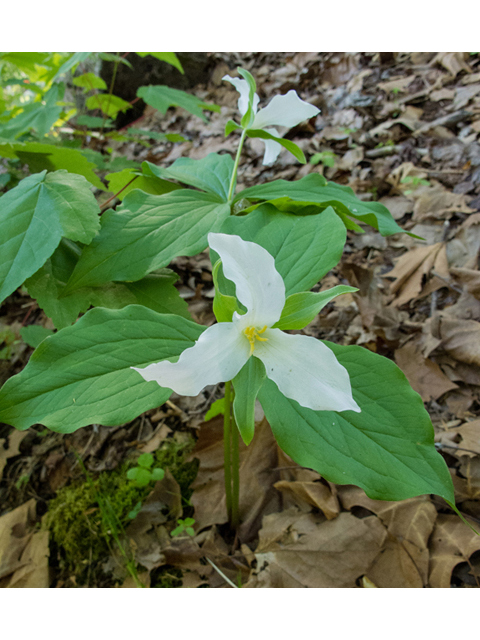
[402,129]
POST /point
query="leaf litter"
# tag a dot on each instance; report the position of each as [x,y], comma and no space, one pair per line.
[402,129]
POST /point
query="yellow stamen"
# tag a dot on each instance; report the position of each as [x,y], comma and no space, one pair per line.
[254,334]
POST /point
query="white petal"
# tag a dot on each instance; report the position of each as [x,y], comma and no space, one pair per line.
[217,356]
[259,286]
[244,90]
[285,111]
[272,148]
[307,371]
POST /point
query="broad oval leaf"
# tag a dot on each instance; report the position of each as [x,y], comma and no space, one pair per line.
[81,375]
[314,189]
[305,248]
[145,233]
[162,97]
[387,449]
[35,215]
[211,174]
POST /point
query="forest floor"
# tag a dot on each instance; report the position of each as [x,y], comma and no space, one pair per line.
[402,129]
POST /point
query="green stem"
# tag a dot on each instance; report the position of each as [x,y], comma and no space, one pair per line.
[226,450]
[233,180]
[235,474]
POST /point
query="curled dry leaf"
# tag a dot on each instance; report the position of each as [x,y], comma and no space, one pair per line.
[404,561]
[424,375]
[461,339]
[469,278]
[258,463]
[297,550]
[452,543]
[314,494]
[413,268]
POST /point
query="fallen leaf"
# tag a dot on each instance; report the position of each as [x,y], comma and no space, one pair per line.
[34,572]
[15,534]
[400,83]
[424,375]
[469,278]
[404,561]
[13,448]
[453,62]
[461,339]
[258,462]
[412,269]
[298,550]
[452,543]
[315,494]
[437,202]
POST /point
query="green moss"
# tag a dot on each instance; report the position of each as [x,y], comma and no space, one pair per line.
[85,519]
[166,577]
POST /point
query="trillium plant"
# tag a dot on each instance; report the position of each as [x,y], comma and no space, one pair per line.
[343,411]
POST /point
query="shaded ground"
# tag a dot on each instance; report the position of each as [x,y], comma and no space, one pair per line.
[399,128]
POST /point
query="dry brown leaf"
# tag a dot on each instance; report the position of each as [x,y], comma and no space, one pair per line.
[13,449]
[15,536]
[404,561]
[412,269]
[452,543]
[469,278]
[34,572]
[258,462]
[296,550]
[424,375]
[315,494]
[466,436]
[437,202]
[398,205]
[453,62]
[463,95]
[400,83]
[461,339]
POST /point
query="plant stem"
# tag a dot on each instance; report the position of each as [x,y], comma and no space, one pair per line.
[235,474]
[226,450]
[233,180]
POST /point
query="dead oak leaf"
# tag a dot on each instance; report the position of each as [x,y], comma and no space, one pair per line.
[296,550]
[404,561]
[460,339]
[424,375]
[452,543]
[412,270]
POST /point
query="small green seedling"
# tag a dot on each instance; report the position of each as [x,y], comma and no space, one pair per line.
[217,408]
[184,525]
[327,158]
[143,474]
[415,181]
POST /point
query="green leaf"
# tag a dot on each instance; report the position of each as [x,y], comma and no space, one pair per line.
[34,334]
[314,189]
[301,308]
[305,248]
[33,218]
[224,305]
[155,135]
[162,98]
[231,126]
[156,291]
[40,156]
[109,104]
[82,375]
[158,474]
[145,233]
[387,449]
[89,81]
[249,115]
[145,460]
[141,477]
[287,144]
[94,122]
[211,174]
[130,179]
[169,58]
[73,61]
[217,408]
[39,116]
[247,384]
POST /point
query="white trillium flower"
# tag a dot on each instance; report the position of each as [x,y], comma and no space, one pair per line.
[303,368]
[282,111]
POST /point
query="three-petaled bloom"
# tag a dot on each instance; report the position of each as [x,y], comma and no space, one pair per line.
[282,111]
[303,368]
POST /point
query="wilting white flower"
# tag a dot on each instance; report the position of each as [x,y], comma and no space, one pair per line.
[282,111]
[303,368]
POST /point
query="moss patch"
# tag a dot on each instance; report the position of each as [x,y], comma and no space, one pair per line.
[84,518]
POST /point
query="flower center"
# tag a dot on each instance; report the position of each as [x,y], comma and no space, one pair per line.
[254,334]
